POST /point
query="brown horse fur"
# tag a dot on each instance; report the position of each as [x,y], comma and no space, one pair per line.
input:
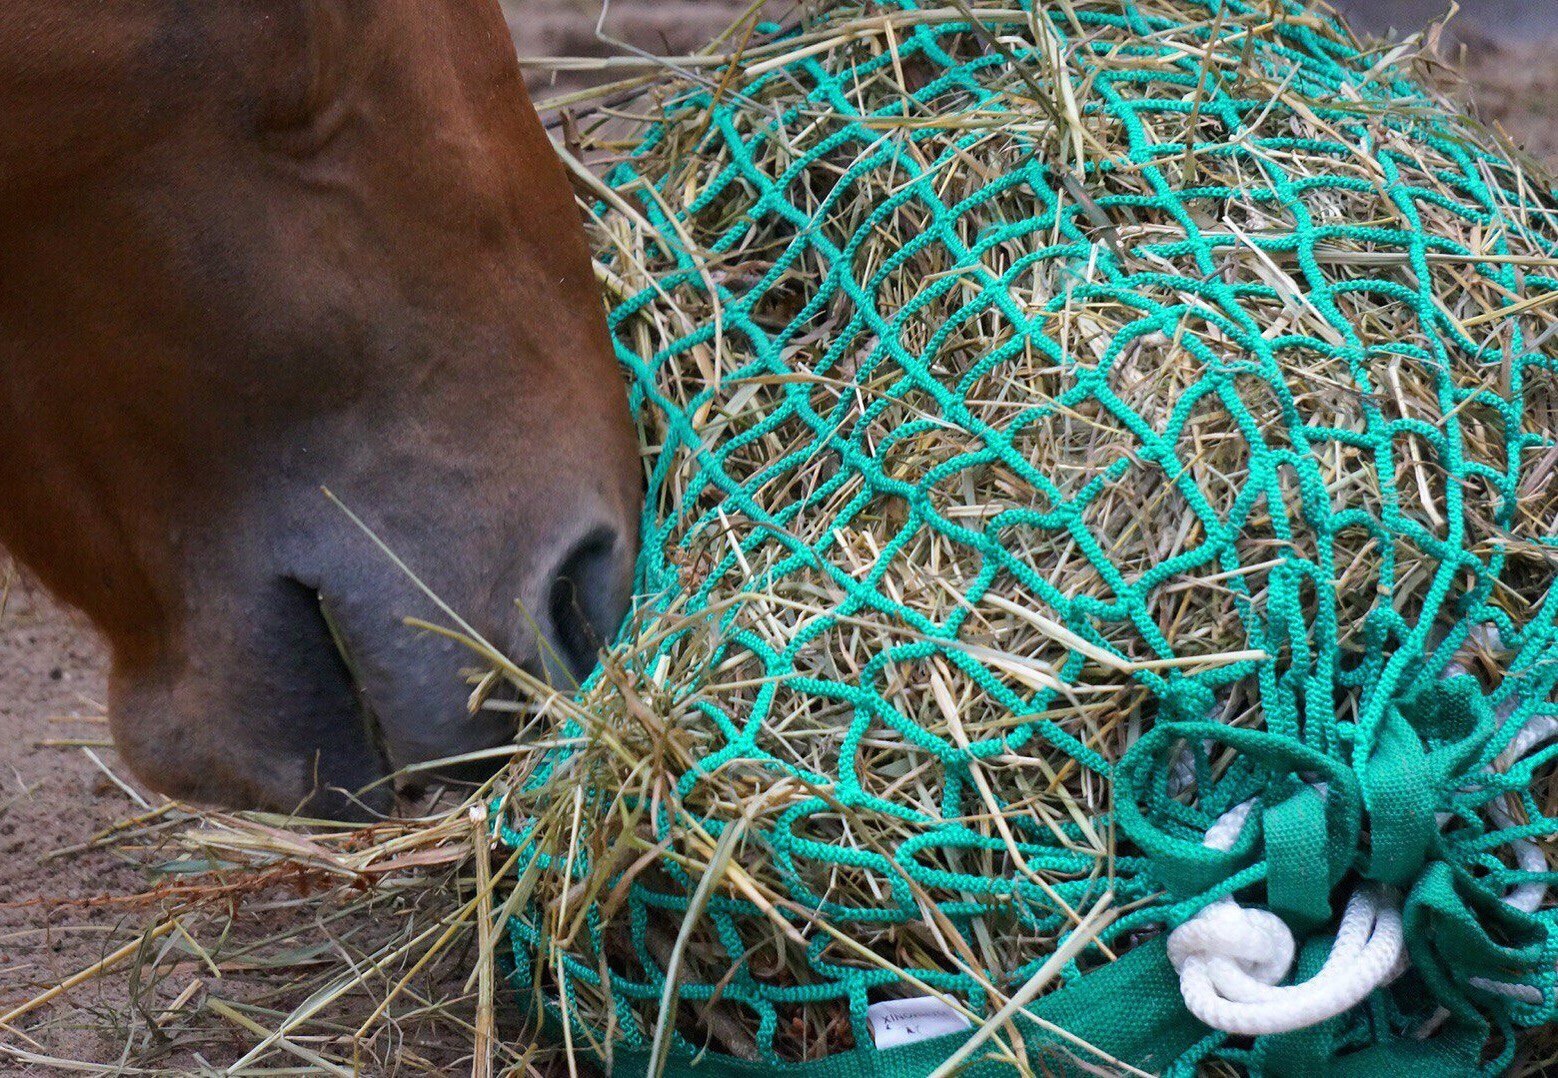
[253,248]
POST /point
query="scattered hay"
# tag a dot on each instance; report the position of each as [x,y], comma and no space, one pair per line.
[268,946]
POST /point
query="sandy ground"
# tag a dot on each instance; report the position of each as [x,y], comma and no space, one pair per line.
[56,789]
[51,688]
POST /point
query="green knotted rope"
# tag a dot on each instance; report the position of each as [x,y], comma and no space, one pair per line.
[1413,790]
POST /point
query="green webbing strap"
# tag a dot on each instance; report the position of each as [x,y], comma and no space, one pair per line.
[1129,1010]
[1302,873]
[1458,932]
[1183,860]
[1456,1053]
[1401,798]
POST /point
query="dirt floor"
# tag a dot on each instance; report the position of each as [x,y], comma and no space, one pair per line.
[52,797]
[59,782]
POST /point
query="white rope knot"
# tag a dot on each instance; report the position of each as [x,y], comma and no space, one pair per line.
[1231,961]
[1251,943]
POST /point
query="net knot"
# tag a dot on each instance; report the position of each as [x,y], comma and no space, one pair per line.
[1254,942]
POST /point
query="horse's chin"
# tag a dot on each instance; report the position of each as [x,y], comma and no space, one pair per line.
[252,706]
[350,790]
[267,697]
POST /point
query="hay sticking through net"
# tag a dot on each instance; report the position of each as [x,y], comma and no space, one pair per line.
[1065,425]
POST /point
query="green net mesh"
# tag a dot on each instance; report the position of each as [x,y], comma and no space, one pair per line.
[1064,425]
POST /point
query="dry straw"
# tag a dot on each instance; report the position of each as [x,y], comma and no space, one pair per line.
[376,951]
[1014,380]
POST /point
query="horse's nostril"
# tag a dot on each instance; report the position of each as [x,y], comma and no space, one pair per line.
[587,601]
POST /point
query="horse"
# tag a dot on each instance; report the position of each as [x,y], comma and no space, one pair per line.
[252,251]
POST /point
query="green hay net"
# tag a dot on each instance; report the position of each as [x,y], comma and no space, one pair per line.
[1102,479]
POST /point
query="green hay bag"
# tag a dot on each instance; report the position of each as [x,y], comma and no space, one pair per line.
[1097,562]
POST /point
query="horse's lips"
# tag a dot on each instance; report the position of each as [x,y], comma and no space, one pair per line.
[378,795]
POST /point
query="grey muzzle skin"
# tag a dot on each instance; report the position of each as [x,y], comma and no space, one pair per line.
[309,692]
[413,682]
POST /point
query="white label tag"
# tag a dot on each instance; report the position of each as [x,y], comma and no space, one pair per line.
[905,1021]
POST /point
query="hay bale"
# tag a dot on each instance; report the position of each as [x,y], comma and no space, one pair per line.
[1065,430]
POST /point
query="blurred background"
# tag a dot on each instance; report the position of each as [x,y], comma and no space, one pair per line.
[1510,46]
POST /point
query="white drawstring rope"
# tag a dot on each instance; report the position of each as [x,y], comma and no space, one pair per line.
[1232,959]
[1533,735]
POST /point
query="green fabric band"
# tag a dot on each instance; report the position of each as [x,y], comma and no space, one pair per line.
[1303,864]
[1400,795]
[1130,1010]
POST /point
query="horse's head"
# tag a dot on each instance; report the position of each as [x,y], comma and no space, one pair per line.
[255,248]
